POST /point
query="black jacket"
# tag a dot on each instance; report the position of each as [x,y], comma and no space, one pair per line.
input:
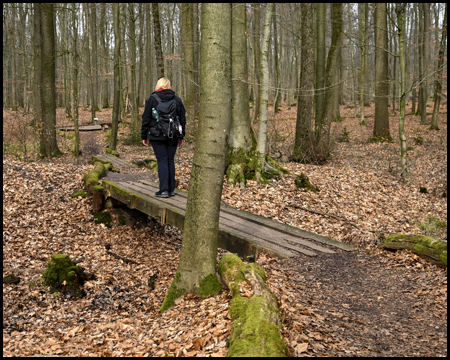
[147,118]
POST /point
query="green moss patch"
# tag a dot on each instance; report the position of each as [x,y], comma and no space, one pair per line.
[302,181]
[64,275]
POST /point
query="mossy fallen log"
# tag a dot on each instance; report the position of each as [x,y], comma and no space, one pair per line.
[430,249]
[256,317]
[92,177]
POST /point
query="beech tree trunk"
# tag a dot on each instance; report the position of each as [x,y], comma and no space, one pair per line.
[196,271]
[440,69]
[381,124]
[157,43]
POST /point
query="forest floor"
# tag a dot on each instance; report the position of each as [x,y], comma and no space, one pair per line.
[368,302]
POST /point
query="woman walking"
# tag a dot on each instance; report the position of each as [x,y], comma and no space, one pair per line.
[164,140]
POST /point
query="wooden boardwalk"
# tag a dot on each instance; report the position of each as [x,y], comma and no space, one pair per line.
[240,231]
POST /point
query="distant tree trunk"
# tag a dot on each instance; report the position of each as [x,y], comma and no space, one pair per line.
[135,134]
[264,94]
[157,43]
[415,53]
[48,144]
[424,22]
[37,62]
[323,131]
[400,9]
[196,271]
[278,92]
[75,80]
[303,131]
[187,34]
[381,124]
[256,59]
[13,60]
[321,10]
[117,92]
[362,73]
[438,79]
[241,135]
[94,73]
[105,87]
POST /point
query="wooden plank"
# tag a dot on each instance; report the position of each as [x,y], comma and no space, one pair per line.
[268,235]
[82,128]
[301,237]
[117,162]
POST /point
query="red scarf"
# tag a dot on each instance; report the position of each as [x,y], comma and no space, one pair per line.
[162,90]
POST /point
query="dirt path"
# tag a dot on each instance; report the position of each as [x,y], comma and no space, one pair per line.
[355,304]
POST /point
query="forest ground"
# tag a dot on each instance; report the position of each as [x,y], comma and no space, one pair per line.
[368,302]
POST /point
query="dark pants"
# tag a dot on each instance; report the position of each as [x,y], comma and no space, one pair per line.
[165,153]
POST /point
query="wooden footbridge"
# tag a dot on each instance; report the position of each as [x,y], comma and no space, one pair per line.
[240,231]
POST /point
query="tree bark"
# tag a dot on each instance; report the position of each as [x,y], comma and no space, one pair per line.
[320,61]
[264,94]
[381,124]
[256,317]
[241,139]
[196,271]
[157,43]
[117,92]
[400,9]
[440,69]
[303,145]
[48,145]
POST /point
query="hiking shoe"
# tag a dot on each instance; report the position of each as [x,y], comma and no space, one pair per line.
[162,194]
[172,193]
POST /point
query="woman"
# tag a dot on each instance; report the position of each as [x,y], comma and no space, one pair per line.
[164,147]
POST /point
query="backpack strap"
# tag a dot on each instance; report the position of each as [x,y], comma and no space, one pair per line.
[158,99]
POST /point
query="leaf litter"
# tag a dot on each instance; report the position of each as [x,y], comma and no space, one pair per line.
[364,303]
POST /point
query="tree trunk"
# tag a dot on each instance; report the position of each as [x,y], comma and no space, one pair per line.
[187,34]
[264,95]
[256,317]
[105,87]
[196,271]
[320,61]
[400,9]
[241,139]
[256,60]
[94,73]
[438,80]
[157,43]
[117,92]
[303,146]
[362,73]
[75,80]
[48,145]
[381,124]
[135,134]
[323,131]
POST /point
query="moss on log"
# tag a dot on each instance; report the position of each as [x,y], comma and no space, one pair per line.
[426,247]
[92,177]
[256,318]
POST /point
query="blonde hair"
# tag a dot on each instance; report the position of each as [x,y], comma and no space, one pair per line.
[162,83]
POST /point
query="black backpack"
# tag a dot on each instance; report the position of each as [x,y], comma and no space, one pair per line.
[166,118]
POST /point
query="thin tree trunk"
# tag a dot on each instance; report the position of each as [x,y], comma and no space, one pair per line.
[157,43]
[320,61]
[303,131]
[264,93]
[75,80]
[117,92]
[439,72]
[363,63]
[400,9]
